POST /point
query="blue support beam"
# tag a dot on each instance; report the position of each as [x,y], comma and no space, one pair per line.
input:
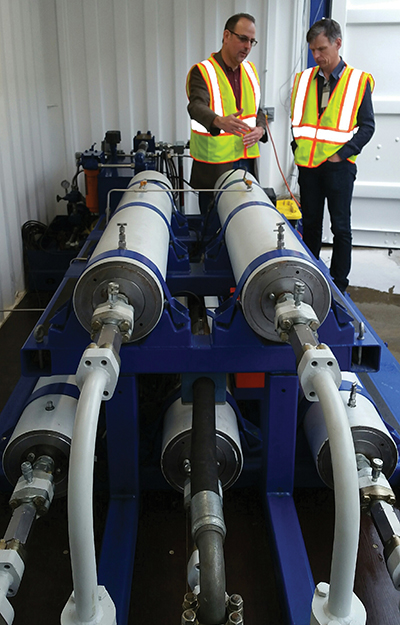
[279,421]
[119,541]
[231,345]
[294,577]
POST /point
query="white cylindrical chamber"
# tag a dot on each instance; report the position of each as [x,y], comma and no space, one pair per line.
[145,214]
[45,428]
[252,232]
[370,435]
[177,440]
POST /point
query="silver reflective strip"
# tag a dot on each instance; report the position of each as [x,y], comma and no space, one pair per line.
[300,96]
[212,74]
[198,127]
[304,131]
[333,136]
[202,129]
[350,98]
[322,134]
[250,121]
[253,78]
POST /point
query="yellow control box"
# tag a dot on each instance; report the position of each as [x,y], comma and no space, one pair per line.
[288,208]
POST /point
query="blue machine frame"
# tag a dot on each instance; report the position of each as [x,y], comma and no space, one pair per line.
[56,346]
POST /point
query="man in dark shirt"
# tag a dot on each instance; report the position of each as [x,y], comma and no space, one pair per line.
[326,158]
[238,39]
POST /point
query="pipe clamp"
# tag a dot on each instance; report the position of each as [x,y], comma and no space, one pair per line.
[315,360]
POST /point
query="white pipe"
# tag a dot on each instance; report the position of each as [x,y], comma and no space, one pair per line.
[80,495]
[347,507]
[7,611]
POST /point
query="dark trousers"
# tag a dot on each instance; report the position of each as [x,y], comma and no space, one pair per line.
[206,199]
[335,182]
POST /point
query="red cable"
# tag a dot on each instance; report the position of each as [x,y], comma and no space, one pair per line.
[279,166]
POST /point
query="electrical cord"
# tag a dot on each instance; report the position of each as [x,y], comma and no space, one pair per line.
[75,178]
[279,165]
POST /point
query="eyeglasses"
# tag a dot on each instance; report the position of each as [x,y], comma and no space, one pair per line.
[244,38]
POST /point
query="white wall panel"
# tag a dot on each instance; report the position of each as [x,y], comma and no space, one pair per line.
[25,162]
[124,63]
[72,69]
[371,32]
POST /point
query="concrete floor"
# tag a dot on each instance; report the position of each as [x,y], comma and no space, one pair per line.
[375,289]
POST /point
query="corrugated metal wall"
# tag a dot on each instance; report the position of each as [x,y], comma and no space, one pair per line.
[24,139]
[72,69]
[123,63]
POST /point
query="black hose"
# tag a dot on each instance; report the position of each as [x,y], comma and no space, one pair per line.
[203,455]
[204,479]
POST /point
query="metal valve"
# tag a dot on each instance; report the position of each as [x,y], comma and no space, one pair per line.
[113,291]
[353,396]
[299,289]
[280,241]
[27,471]
[377,466]
[122,236]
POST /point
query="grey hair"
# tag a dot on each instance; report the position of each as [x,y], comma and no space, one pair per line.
[327,27]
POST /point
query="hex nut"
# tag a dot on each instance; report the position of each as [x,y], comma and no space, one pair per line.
[322,589]
[190,601]
[235,603]
[189,616]
[236,618]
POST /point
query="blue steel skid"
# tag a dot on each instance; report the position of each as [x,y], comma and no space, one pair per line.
[56,345]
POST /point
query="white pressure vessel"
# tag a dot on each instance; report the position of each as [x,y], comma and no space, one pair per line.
[252,238]
[144,215]
[45,428]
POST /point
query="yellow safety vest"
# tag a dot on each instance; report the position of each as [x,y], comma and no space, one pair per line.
[225,147]
[318,138]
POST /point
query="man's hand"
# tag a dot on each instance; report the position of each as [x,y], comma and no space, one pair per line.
[253,136]
[335,158]
[231,124]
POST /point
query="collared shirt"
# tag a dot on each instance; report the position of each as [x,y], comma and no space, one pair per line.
[204,175]
[199,102]
[233,76]
[365,115]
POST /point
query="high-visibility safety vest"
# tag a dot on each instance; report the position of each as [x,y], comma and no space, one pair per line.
[318,138]
[225,147]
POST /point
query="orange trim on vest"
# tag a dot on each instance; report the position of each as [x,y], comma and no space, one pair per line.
[334,121]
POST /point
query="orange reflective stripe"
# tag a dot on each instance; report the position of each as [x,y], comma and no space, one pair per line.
[225,147]
[294,93]
[302,93]
[343,100]
[207,79]
[217,86]
[350,99]
[318,137]
[252,75]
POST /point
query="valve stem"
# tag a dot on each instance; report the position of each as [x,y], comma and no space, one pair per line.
[299,289]
[352,403]
[280,243]
[113,290]
[122,237]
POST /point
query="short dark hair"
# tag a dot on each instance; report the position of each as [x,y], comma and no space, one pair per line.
[327,27]
[233,20]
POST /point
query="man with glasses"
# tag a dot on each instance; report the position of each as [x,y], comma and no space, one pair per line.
[224,98]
